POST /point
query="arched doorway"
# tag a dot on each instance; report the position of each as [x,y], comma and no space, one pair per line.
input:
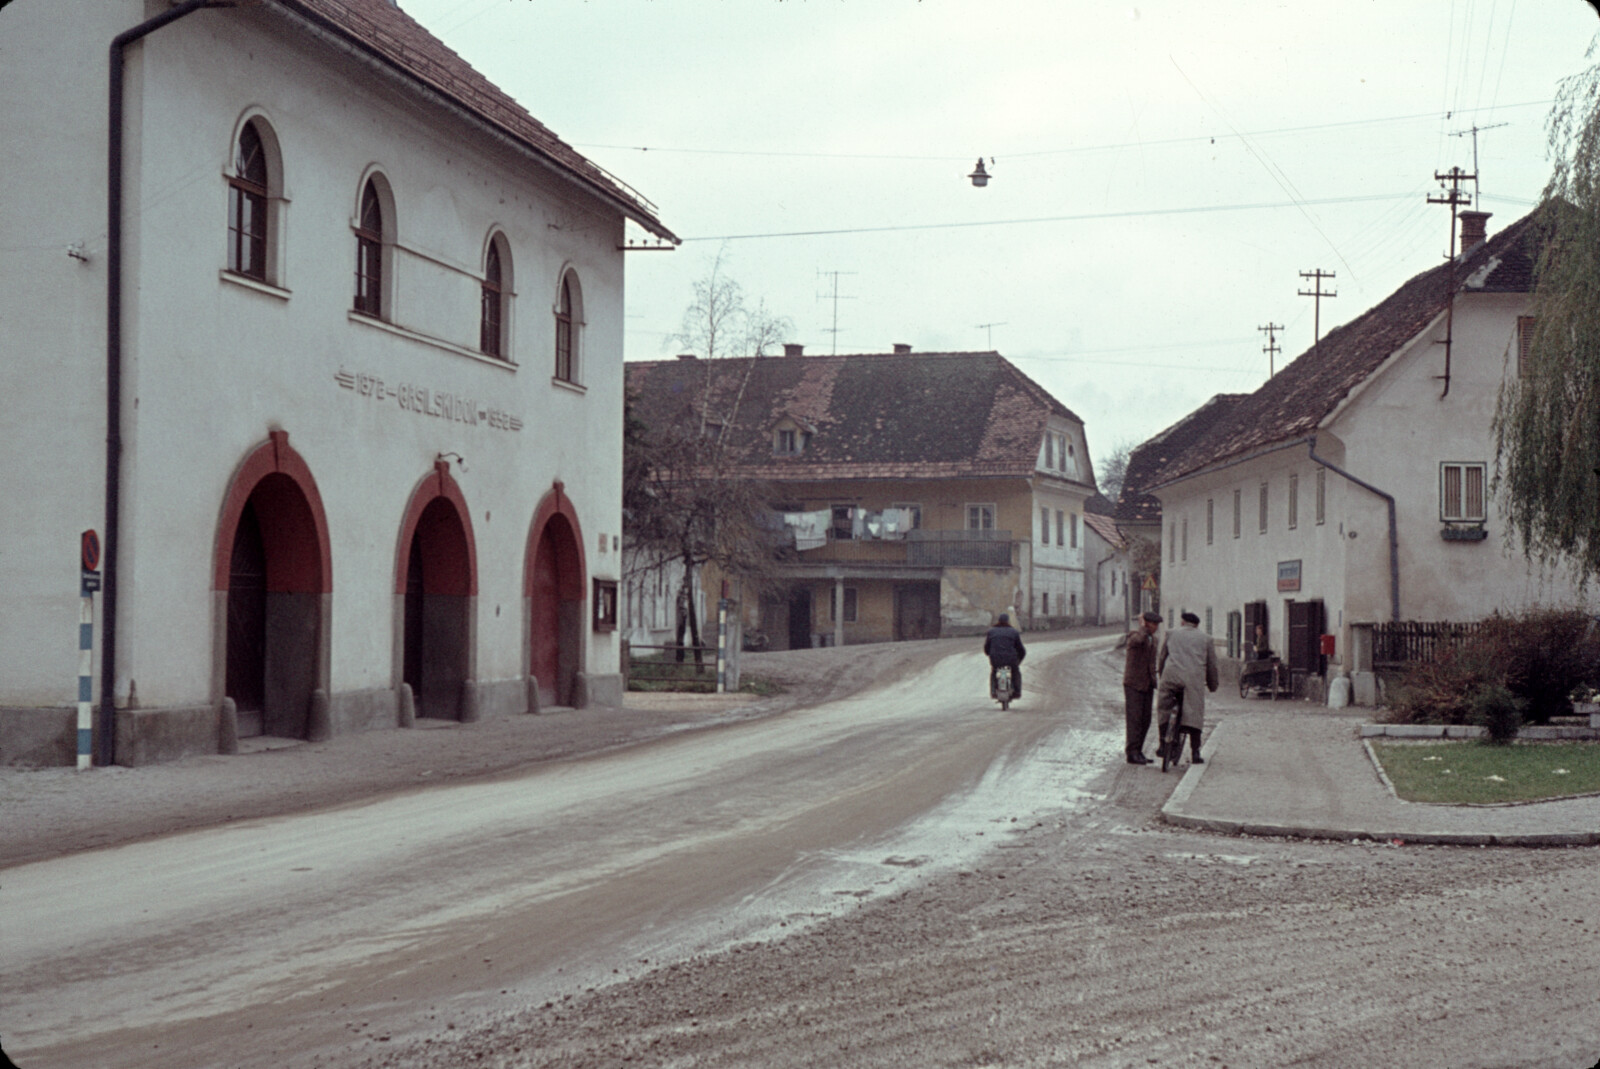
[272,572]
[556,600]
[438,588]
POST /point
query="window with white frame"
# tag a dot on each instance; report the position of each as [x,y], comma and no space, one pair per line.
[1060,529]
[1211,519]
[1072,529]
[1044,525]
[1461,492]
[1294,501]
[1263,508]
[980,517]
[1184,551]
[1322,495]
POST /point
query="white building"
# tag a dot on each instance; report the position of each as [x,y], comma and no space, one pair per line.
[1353,488]
[364,395]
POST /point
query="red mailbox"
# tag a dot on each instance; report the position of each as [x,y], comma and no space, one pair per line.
[1327,645]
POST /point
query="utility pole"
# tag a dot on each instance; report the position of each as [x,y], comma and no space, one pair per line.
[834,330]
[1316,291]
[1271,348]
[1455,198]
[1474,132]
[990,328]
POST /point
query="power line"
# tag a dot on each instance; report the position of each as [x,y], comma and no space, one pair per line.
[1133,214]
[1077,149]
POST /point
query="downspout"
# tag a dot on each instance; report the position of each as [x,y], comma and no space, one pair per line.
[1394,536]
[108,627]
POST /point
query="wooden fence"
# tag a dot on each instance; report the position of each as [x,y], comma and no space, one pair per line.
[1403,641]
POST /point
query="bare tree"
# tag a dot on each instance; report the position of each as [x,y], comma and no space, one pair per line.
[683,504]
[1114,469]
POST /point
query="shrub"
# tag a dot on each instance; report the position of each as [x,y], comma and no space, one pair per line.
[1437,691]
[1497,710]
[1538,657]
[1544,654]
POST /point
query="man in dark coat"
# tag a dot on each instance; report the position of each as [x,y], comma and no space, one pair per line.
[1139,686]
[1003,644]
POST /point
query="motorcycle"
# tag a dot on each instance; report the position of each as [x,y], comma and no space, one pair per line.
[1003,691]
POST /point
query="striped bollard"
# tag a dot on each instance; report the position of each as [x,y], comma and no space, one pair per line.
[85,679]
[88,583]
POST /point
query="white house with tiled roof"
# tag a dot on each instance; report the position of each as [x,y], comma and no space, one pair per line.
[333,368]
[1354,487]
[926,492]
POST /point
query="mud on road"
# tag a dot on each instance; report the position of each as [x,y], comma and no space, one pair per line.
[1109,939]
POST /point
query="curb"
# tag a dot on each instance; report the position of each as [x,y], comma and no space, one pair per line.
[1173,813]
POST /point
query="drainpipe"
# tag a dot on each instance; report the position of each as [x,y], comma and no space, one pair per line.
[112,542]
[1394,537]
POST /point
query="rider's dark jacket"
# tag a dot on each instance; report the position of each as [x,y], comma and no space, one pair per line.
[1004,646]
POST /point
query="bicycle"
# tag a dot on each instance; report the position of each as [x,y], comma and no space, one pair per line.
[1172,737]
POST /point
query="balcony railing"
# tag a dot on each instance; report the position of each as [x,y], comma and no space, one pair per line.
[959,549]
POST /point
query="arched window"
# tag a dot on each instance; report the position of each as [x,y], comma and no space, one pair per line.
[369,253]
[491,321]
[247,206]
[565,369]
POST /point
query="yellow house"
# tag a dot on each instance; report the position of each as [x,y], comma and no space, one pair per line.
[922,493]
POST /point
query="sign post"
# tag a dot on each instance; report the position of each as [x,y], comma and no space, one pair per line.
[88,583]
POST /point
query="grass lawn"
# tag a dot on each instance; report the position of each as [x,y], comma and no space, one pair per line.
[1473,771]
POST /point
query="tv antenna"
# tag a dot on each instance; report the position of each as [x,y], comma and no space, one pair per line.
[1473,130]
[836,298]
[989,328]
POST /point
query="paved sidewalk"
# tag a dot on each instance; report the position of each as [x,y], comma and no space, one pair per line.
[1293,768]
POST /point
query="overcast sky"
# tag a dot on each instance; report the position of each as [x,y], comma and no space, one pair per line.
[1162,172]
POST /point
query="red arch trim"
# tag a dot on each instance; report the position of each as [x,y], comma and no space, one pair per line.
[556,503]
[275,456]
[433,486]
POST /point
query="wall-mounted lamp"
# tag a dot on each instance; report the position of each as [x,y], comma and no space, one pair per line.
[75,250]
[444,458]
[980,177]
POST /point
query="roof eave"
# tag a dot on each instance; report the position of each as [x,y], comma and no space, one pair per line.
[471,115]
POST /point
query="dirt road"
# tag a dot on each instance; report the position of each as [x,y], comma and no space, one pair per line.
[1103,938]
[910,882]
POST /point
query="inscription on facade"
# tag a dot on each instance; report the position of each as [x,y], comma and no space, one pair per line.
[425,401]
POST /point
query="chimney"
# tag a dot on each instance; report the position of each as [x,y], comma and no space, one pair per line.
[685,356]
[901,347]
[792,348]
[1474,228]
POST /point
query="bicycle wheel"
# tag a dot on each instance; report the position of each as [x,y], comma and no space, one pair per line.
[1172,744]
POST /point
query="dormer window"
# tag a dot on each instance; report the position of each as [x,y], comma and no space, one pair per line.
[790,438]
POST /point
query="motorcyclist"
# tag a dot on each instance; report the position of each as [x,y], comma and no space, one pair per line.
[1003,644]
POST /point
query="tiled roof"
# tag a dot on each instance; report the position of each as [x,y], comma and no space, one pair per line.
[1298,398]
[384,31]
[875,415]
[1105,527]
[1146,463]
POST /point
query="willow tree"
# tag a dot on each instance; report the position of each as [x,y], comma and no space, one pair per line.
[1547,421]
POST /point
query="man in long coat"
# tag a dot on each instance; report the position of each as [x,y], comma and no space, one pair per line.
[1188,668]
